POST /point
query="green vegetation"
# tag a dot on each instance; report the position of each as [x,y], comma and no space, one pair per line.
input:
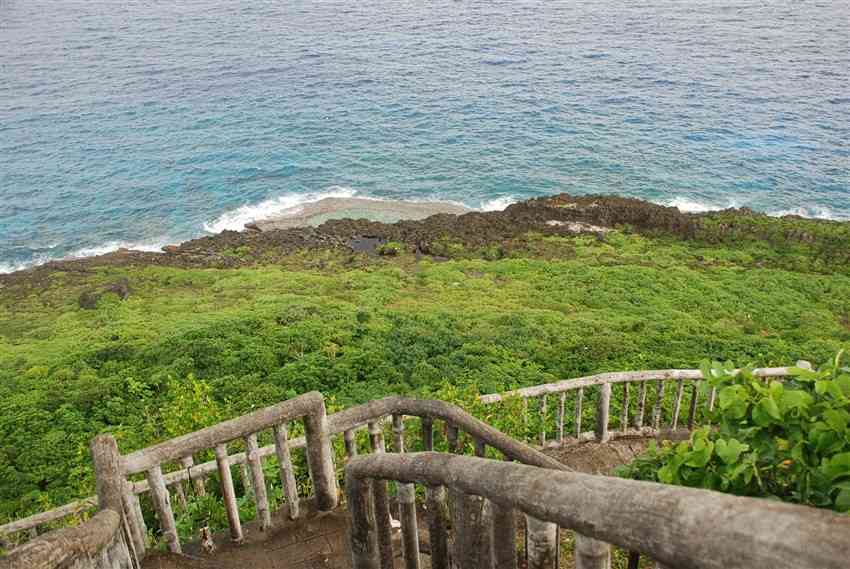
[788,441]
[189,347]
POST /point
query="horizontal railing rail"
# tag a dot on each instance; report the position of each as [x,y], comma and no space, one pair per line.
[98,541]
[676,526]
[633,421]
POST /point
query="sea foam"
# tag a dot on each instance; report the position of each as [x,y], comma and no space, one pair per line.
[235,220]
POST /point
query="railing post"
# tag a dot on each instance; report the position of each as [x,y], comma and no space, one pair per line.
[503,537]
[641,406]
[261,498]
[592,553]
[578,412]
[320,459]
[287,474]
[228,493]
[656,408]
[407,505]
[197,483]
[114,492]
[542,543]
[436,508]
[381,502]
[364,539]
[162,504]
[677,406]
[603,409]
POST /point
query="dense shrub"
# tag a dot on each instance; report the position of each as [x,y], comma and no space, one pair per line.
[783,440]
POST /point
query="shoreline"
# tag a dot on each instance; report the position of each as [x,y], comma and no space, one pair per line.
[333,222]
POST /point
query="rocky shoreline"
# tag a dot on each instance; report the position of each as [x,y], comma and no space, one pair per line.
[562,214]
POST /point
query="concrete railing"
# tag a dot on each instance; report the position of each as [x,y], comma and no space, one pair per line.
[641,408]
[675,526]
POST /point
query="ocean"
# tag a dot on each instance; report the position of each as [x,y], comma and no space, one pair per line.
[142,123]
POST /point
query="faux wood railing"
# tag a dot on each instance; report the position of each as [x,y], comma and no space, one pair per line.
[369,415]
[637,398]
[678,527]
[103,542]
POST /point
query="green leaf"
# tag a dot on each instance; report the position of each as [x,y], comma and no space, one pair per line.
[842,501]
[730,450]
[795,400]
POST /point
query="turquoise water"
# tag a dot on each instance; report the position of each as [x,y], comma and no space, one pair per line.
[144,123]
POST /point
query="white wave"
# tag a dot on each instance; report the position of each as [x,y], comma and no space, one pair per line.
[154,246]
[687,205]
[498,204]
[811,212]
[235,220]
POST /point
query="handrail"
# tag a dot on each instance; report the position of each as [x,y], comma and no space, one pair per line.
[620,377]
[176,448]
[679,527]
[435,409]
[60,547]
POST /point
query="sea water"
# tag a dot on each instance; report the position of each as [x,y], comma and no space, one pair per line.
[141,123]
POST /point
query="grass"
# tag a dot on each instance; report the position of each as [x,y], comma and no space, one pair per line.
[189,347]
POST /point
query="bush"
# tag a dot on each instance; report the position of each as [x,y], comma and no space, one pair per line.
[787,441]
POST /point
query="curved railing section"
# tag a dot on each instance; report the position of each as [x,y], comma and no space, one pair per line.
[96,544]
[169,465]
[678,527]
[640,409]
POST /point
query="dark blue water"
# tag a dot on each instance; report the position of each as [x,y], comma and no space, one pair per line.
[143,123]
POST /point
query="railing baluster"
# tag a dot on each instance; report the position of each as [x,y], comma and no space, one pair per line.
[542,543]
[634,560]
[656,409]
[712,397]
[603,408]
[197,483]
[228,493]
[349,437]
[136,521]
[261,497]
[162,504]
[503,537]
[436,508]
[579,398]
[561,407]
[543,412]
[287,472]
[245,476]
[480,448]
[382,501]
[320,459]
[692,413]
[591,553]
[677,406]
[181,495]
[406,505]
[364,542]
[641,406]
[624,414]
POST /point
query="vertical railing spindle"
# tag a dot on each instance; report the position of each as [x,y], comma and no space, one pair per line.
[656,409]
[641,406]
[287,472]
[578,410]
[437,510]
[162,504]
[692,412]
[407,505]
[228,493]
[603,408]
[677,406]
[561,407]
[624,413]
[543,413]
[382,501]
[258,478]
